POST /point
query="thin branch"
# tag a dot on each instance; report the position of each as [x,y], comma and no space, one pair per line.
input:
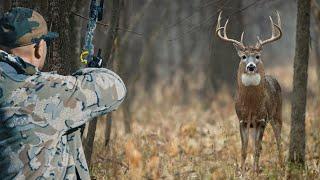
[200,8]
[200,24]
[206,21]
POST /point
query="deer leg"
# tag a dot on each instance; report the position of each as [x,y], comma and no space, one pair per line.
[258,135]
[244,142]
[276,127]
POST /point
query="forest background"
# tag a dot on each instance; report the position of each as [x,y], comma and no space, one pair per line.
[178,120]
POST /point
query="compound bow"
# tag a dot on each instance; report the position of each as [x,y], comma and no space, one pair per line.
[87,56]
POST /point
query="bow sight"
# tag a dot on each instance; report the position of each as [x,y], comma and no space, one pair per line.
[87,56]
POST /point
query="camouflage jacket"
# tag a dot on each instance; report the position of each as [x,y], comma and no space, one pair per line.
[40,114]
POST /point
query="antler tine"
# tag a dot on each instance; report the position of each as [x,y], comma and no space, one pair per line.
[259,40]
[272,27]
[241,40]
[225,29]
[279,19]
[274,36]
[224,36]
[218,22]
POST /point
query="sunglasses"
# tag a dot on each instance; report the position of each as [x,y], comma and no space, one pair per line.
[45,38]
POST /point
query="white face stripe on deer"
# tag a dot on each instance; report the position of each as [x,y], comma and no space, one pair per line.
[251,79]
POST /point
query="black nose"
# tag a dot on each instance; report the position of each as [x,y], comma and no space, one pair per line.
[251,67]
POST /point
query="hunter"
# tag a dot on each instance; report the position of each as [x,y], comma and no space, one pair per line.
[41,112]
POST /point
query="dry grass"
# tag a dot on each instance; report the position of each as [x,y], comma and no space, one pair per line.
[197,141]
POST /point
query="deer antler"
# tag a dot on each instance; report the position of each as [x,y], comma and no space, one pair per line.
[274,37]
[224,36]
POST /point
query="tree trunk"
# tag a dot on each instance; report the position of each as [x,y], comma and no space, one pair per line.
[107,133]
[124,68]
[171,65]
[300,79]
[184,56]
[60,57]
[127,113]
[5,6]
[88,141]
[129,64]
[149,53]
[76,36]
[111,36]
[20,3]
[111,41]
[108,118]
[149,63]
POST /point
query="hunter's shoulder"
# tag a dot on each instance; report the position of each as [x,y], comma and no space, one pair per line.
[54,80]
[14,69]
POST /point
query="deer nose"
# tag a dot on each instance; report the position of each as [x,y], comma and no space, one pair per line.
[251,67]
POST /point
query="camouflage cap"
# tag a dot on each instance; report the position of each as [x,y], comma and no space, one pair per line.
[22,26]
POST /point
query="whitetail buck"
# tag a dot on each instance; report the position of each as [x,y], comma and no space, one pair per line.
[258,99]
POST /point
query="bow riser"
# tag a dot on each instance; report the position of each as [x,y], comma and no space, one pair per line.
[87,56]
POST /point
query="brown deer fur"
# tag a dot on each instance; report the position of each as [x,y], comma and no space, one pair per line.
[255,107]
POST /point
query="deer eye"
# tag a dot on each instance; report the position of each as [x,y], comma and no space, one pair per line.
[257,57]
[244,57]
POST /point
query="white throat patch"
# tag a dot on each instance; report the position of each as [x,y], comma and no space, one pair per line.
[251,79]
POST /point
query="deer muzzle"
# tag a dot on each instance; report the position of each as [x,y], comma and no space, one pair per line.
[251,67]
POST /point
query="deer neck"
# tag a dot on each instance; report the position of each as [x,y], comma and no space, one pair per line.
[251,88]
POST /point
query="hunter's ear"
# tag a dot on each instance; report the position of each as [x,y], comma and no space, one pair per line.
[40,49]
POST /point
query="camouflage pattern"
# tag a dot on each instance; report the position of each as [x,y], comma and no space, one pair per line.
[41,114]
[22,26]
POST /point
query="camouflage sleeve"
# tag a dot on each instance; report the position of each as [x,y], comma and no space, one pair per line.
[70,101]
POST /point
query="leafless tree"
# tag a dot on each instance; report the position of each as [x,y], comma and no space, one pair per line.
[4,6]
[110,47]
[129,65]
[300,79]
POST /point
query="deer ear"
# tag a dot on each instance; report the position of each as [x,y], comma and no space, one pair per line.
[238,48]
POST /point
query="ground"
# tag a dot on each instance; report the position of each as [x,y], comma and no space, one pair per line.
[199,140]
